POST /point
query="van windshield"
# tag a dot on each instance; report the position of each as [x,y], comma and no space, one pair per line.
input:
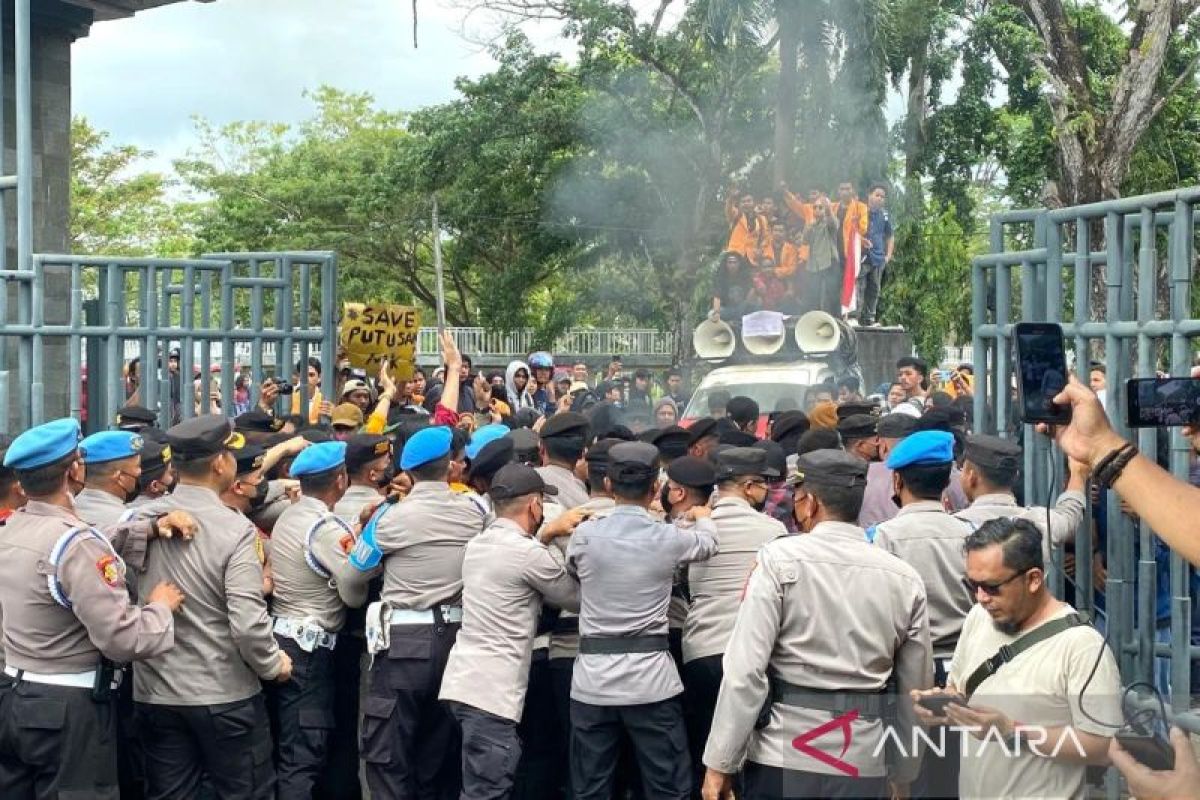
[771,397]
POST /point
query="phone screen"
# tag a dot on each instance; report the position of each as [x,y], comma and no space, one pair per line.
[1042,372]
[1160,402]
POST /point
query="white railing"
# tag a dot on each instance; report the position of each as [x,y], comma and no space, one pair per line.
[579,342]
[953,356]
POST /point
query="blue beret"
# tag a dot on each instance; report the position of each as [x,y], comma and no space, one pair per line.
[922,447]
[110,446]
[428,444]
[317,458]
[486,434]
[43,445]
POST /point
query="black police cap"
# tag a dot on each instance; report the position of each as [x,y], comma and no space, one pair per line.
[566,423]
[858,426]
[993,452]
[490,458]
[693,472]
[738,462]
[632,461]
[204,436]
[789,424]
[834,468]
[258,421]
[249,458]
[701,429]
[518,480]
[363,448]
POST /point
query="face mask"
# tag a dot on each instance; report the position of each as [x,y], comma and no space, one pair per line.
[259,498]
[759,505]
[386,478]
[541,518]
[664,499]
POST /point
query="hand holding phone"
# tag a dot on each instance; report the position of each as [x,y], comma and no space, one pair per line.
[1041,372]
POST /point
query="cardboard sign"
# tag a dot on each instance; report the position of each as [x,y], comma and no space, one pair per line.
[767,324]
[371,333]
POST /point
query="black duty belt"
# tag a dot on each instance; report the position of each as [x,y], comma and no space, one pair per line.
[565,625]
[870,705]
[609,645]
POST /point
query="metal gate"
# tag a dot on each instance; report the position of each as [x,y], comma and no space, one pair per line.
[201,307]
[1118,276]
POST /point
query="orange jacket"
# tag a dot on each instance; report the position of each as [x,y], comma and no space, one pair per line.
[855,222]
[751,244]
[790,258]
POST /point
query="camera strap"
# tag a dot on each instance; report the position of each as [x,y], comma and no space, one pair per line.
[1013,649]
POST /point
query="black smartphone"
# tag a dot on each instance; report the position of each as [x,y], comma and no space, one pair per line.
[1160,402]
[1041,371]
[1148,748]
[936,703]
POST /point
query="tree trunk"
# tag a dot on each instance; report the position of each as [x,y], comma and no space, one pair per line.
[914,127]
[788,17]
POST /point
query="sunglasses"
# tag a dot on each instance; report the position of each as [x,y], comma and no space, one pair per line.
[991,589]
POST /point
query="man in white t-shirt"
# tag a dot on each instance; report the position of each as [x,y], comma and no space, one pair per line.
[1036,722]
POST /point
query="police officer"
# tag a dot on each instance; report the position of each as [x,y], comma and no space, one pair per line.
[990,472]
[409,740]
[624,677]
[564,638]
[314,583]
[878,504]
[200,708]
[112,466]
[931,541]
[158,474]
[507,571]
[369,468]
[715,584]
[860,436]
[826,621]
[690,482]
[112,463]
[67,617]
[564,438]
[703,438]
[136,419]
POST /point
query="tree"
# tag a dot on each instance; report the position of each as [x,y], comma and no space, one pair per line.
[116,210]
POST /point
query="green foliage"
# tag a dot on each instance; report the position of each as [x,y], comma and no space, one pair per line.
[927,286]
[116,210]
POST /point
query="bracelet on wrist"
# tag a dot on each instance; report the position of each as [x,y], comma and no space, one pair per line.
[1115,465]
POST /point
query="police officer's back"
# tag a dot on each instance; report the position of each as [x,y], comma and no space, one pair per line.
[67,616]
[200,706]
[826,621]
[314,583]
[625,678]
[409,740]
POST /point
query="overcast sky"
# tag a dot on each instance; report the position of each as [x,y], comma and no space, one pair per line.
[144,78]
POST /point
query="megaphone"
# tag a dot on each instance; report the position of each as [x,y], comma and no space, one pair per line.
[818,332]
[713,339]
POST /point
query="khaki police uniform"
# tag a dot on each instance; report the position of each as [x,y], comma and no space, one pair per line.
[506,575]
[409,740]
[314,584]
[829,628]
[200,706]
[624,677]
[1065,515]
[572,492]
[66,607]
[716,586]
[98,507]
[830,613]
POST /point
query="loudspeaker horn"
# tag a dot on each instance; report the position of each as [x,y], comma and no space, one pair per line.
[818,332]
[764,345]
[713,339]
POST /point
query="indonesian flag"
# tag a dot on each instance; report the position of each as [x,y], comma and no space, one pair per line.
[853,250]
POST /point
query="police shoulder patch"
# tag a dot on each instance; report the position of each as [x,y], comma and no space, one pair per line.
[110,573]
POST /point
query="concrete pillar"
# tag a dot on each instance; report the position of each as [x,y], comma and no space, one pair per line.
[55,26]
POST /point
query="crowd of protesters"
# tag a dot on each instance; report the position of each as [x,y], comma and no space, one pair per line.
[793,254]
[535,583]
